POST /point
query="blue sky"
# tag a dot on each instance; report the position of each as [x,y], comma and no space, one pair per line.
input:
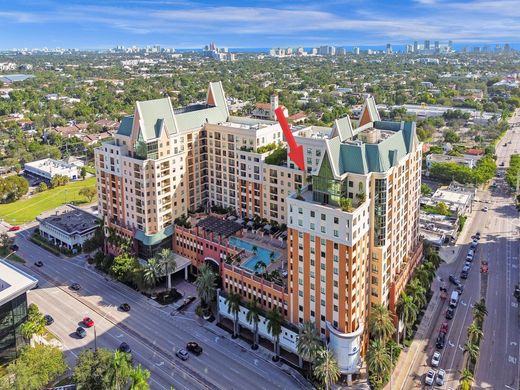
[191,24]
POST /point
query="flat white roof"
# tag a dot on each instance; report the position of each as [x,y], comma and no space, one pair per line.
[451,196]
[13,282]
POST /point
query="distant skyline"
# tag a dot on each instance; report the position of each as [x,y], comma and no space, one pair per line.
[91,24]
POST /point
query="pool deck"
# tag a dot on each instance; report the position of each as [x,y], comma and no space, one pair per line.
[271,244]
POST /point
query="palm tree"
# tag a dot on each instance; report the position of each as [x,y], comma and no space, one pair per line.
[423,275]
[480,311]
[139,378]
[407,310]
[260,265]
[417,292]
[167,263]
[253,316]
[206,284]
[472,349]
[380,323]
[309,342]
[378,358]
[272,256]
[151,272]
[120,370]
[254,249]
[466,378]
[474,332]
[233,303]
[326,370]
[274,326]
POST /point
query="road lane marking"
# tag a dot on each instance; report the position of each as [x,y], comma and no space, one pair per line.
[511,359]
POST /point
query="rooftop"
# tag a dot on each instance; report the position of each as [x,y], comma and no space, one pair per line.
[219,226]
[13,282]
[48,163]
[71,220]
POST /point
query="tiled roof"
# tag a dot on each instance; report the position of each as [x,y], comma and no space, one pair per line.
[263,106]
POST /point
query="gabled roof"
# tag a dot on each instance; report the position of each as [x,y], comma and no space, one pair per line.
[369,112]
[158,114]
[343,128]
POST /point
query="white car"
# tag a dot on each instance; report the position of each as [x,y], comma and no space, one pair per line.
[428,380]
[485,209]
[436,359]
[439,379]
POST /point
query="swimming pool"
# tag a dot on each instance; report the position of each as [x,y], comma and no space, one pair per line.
[262,254]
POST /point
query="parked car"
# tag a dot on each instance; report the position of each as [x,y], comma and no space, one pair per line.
[193,347]
[38,263]
[436,359]
[454,280]
[477,234]
[428,380]
[89,322]
[14,228]
[459,288]
[81,332]
[124,307]
[444,327]
[14,247]
[441,339]
[124,347]
[450,313]
[485,209]
[463,274]
[182,354]
[75,286]
[439,379]
[48,319]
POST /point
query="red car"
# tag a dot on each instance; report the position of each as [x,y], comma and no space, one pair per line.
[88,322]
[14,228]
[444,327]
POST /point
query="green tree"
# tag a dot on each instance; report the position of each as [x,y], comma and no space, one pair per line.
[309,342]
[35,323]
[206,284]
[345,204]
[451,136]
[380,323]
[88,192]
[378,359]
[327,369]
[36,367]
[92,368]
[417,292]
[123,267]
[474,332]
[472,350]
[168,264]
[5,241]
[233,303]
[274,326]
[139,378]
[480,311]
[83,173]
[466,379]
[407,310]
[442,208]
[151,272]
[42,187]
[120,370]
[425,190]
[253,316]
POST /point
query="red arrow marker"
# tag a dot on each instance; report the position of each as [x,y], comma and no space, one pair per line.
[296,151]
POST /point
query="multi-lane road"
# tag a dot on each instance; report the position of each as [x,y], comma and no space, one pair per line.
[153,334]
[499,362]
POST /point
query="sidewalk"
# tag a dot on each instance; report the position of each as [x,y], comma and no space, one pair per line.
[406,364]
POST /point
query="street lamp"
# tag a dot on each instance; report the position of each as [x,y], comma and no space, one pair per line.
[95,339]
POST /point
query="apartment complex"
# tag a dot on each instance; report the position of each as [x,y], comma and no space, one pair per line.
[165,161]
[352,215]
[354,232]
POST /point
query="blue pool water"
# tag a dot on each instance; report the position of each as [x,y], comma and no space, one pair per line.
[262,254]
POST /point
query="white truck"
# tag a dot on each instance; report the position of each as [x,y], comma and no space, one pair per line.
[454,300]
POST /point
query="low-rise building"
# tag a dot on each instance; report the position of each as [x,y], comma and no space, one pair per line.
[69,228]
[49,167]
[468,160]
[14,284]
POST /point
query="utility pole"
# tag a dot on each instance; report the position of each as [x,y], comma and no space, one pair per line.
[95,339]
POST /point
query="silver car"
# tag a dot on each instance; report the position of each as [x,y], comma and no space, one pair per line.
[439,379]
[428,380]
[182,354]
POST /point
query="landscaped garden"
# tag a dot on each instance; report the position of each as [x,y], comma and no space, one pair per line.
[26,210]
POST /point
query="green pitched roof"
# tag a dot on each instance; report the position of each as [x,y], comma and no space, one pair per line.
[125,127]
[154,238]
[359,157]
[155,113]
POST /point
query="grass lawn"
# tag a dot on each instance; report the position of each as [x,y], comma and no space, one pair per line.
[26,210]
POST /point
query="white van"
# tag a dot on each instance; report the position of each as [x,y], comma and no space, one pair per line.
[454,300]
